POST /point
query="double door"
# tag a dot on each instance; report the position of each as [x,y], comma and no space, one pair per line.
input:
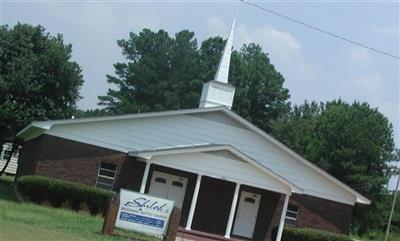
[168,186]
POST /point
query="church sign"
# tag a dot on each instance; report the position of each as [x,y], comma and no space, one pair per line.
[143,213]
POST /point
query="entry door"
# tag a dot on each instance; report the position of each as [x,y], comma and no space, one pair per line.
[246,215]
[168,186]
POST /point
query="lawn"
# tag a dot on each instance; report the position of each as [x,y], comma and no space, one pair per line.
[22,221]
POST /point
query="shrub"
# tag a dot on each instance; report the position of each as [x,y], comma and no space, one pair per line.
[305,234]
[58,192]
[7,180]
[97,200]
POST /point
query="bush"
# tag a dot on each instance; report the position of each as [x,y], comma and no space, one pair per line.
[58,192]
[305,234]
[7,180]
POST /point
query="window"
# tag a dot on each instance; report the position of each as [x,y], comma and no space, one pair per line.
[161,180]
[177,184]
[291,215]
[106,176]
[249,200]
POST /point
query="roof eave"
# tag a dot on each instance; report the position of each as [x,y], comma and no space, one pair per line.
[148,154]
[358,197]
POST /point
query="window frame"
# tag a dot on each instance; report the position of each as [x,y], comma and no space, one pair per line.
[292,219]
[102,185]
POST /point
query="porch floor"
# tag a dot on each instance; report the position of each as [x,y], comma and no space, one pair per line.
[193,235]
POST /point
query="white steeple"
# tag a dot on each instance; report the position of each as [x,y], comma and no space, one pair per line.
[219,92]
[223,67]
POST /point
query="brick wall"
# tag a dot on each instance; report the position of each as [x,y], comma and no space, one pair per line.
[276,218]
[27,157]
[213,205]
[322,214]
[130,174]
[74,161]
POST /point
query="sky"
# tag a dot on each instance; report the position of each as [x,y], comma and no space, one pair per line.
[314,65]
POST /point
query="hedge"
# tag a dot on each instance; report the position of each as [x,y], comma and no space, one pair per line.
[58,192]
[305,234]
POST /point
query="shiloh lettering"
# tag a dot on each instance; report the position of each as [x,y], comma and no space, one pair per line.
[144,203]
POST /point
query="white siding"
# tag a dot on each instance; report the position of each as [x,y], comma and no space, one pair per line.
[171,131]
[13,165]
[223,168]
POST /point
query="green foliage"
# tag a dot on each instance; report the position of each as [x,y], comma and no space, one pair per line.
[353,142]
[305,234]
[90,113]
[296,234]
[7,180]
[166,73]
[58,192]
[38,80]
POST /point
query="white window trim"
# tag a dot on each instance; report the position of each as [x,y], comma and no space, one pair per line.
[292,218]
[107,177]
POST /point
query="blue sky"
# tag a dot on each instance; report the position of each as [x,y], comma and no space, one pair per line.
[315,66]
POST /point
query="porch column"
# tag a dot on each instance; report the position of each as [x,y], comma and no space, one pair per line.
[232,212]
[145,177]
[282,221]
[194,202]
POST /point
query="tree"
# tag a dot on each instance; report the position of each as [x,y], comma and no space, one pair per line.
[164,73]
[158,71]
[353,142]
[260,96]
[297,128]
[38,80]
[90,113]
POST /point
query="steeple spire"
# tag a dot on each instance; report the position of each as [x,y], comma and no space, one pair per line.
[223,67]
[219,92]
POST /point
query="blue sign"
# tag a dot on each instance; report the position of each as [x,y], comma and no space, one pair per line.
[158,223]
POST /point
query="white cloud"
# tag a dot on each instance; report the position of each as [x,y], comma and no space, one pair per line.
[371,83]
[280,44]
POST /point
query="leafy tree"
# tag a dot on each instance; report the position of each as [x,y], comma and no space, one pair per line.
[38,80]
[260,96]
[297,128]
[353,142]
[90,113]
[165,73]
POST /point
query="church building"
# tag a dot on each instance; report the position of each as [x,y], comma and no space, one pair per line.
[230,179]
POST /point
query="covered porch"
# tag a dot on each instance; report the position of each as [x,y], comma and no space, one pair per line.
[223,194]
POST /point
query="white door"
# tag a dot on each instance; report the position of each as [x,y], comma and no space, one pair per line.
[168,186]
[246,215]
[159,185]
[177,189]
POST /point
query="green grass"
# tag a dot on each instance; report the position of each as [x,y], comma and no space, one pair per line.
[23,221]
